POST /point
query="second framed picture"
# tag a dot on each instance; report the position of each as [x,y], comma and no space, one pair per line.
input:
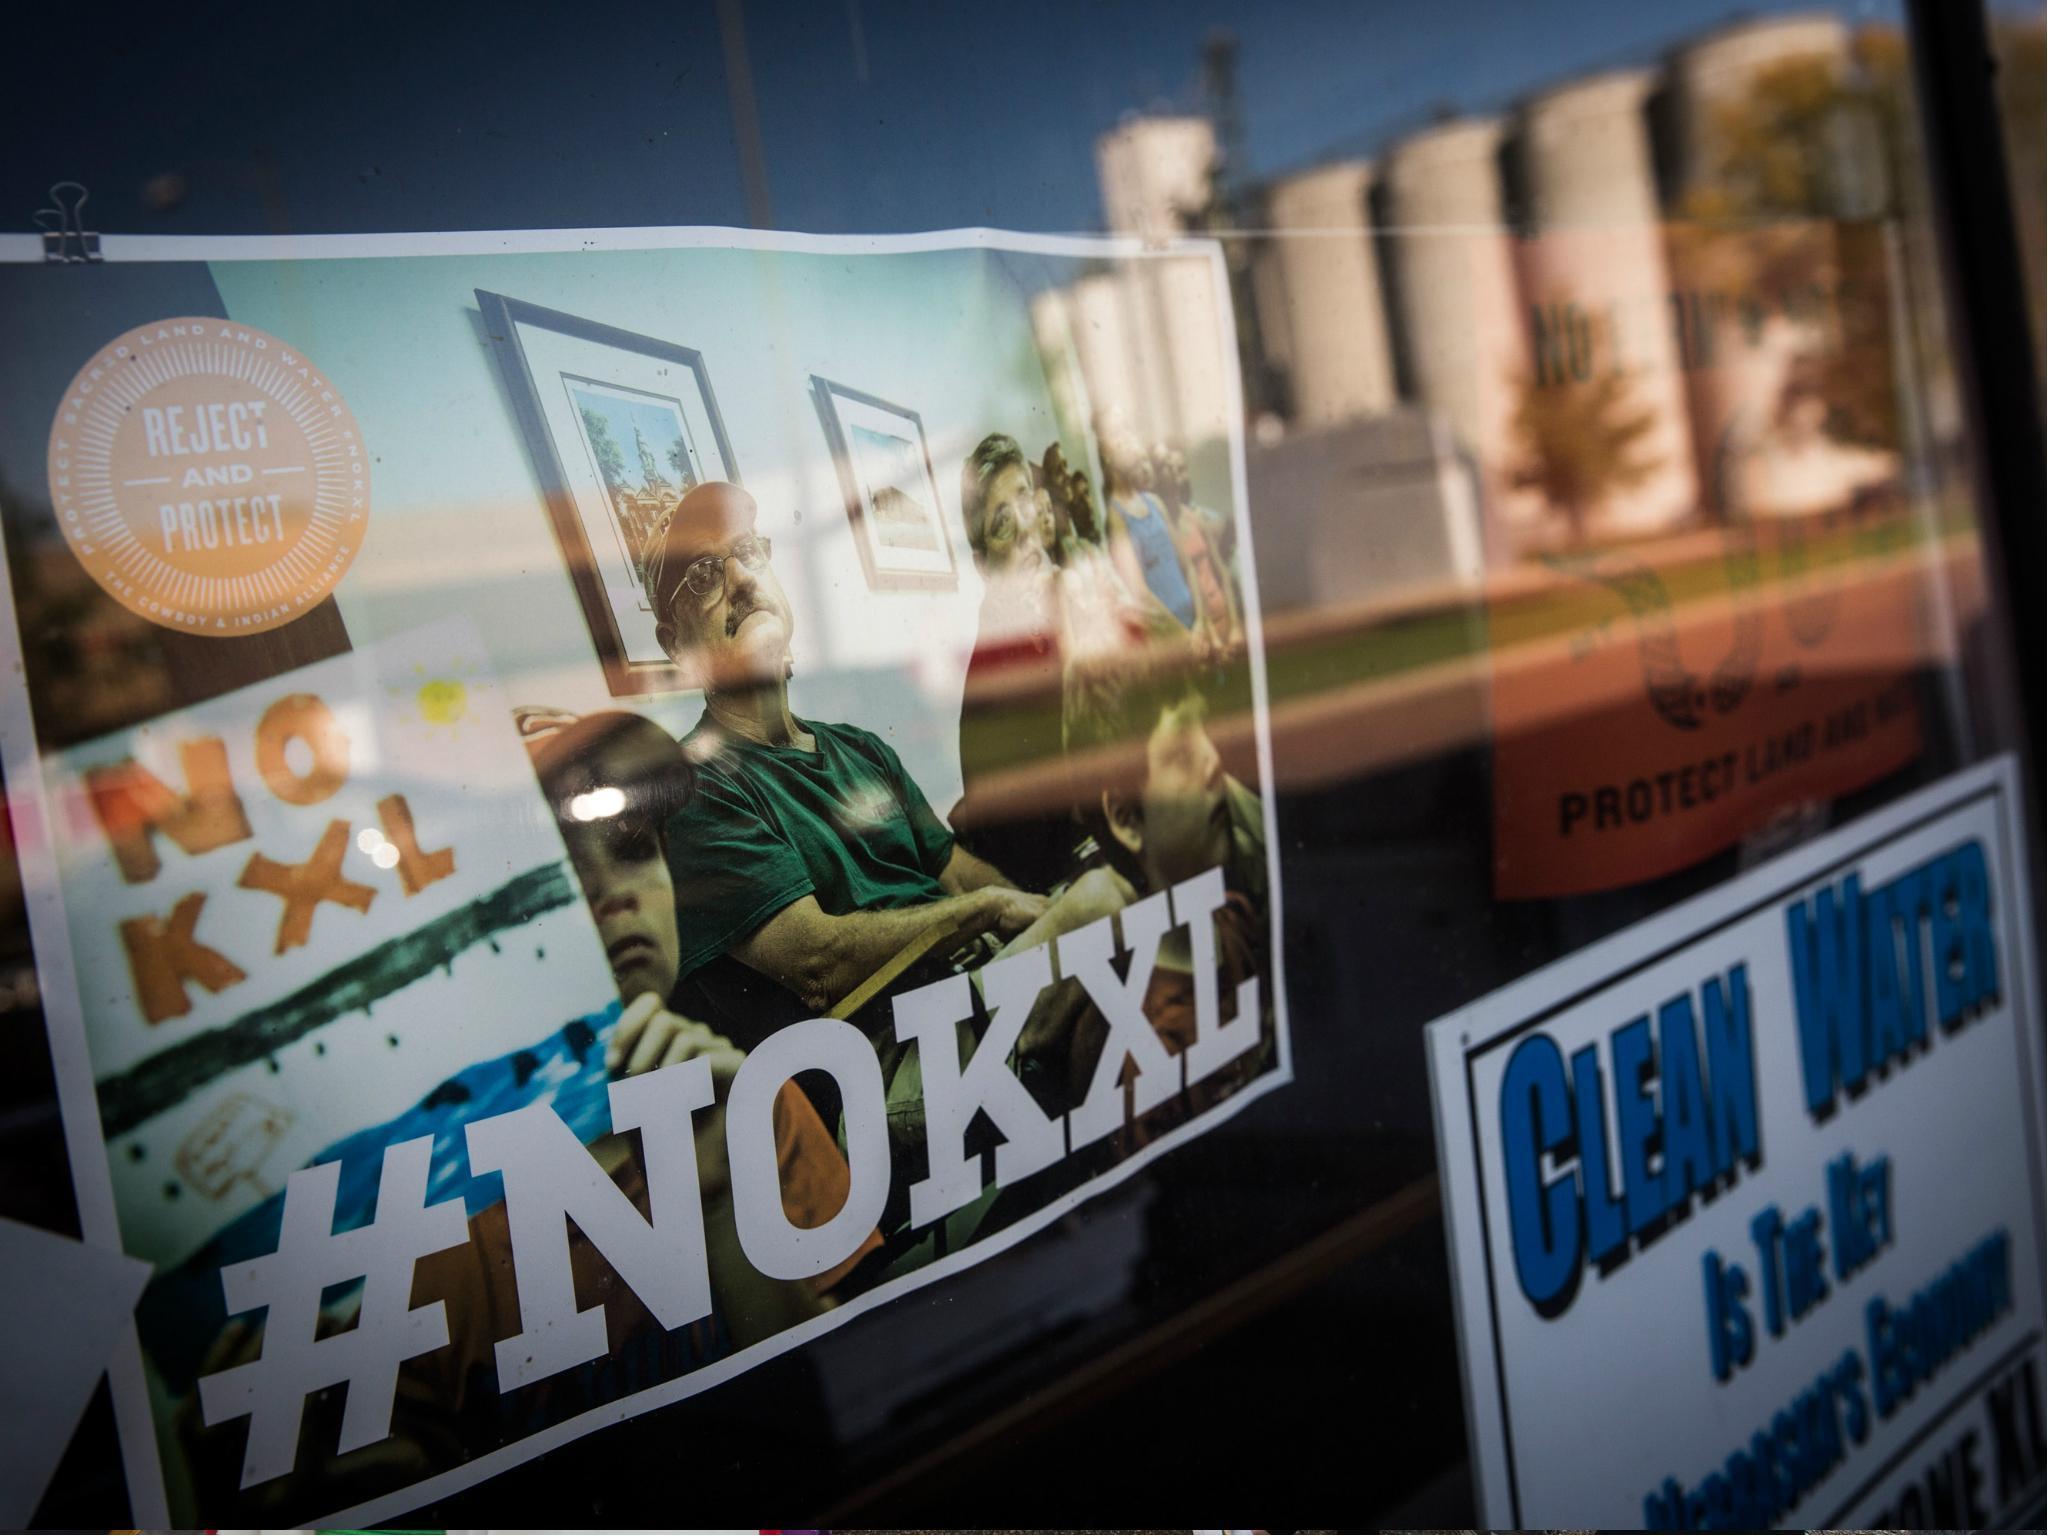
[892,498]
[620,426]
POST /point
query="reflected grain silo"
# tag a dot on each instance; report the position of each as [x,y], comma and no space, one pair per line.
[1455,304]
[1105,323]
[1715,76]
[1052,332]
[1188,296]
[1597,286]
[1758,453]
[1269,303]
[1154,173]
[1175,379]
[1327,273]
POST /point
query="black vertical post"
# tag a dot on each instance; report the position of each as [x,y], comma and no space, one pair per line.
[1955,72]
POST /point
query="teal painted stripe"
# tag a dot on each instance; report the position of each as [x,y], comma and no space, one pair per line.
[131,1098]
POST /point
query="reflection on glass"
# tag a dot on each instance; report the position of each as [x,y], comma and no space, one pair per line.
[1600,458]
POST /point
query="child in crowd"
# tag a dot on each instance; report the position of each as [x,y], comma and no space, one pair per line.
[448,1405]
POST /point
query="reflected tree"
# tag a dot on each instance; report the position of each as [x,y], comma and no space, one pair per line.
[611,462]
[1807,170]
[1577,444]
[652,480]
[679,461]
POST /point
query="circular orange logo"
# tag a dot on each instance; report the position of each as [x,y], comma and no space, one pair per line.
[209,476]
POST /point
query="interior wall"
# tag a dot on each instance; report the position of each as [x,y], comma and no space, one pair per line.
[457,520]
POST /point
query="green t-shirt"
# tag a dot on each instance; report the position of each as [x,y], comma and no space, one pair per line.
[770,825]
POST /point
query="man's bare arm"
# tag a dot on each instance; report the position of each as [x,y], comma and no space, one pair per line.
[821,958]
[964,872]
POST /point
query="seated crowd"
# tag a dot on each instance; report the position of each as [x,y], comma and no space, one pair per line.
[769,869]
[798,869]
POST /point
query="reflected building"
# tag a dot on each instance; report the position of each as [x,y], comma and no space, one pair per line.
[1276,324]
[1367,512]
[1368,499]
[1151,346]
[1149,338]
[1603,263]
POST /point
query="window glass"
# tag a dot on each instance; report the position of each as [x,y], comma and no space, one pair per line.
[1540,425]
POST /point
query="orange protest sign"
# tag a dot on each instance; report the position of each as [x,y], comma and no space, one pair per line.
[1662,707]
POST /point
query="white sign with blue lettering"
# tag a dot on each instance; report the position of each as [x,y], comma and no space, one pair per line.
[1745,1203]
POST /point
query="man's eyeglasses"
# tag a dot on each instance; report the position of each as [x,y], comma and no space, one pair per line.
[706,574]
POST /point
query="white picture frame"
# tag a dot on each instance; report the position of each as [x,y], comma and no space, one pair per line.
[892,497]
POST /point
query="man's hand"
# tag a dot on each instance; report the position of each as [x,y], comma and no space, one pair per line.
[1096,893]
[649,1037]
[1010,912]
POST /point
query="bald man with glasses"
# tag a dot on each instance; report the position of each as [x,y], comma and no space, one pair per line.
[809,856]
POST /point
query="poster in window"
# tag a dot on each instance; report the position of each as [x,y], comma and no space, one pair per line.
[432,965]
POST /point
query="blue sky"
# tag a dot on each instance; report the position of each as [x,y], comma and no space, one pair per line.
[875,117]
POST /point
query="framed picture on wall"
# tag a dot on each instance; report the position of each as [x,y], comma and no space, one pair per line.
[619,426]
[892,499]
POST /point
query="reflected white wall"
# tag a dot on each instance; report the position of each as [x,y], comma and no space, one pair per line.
[457,518]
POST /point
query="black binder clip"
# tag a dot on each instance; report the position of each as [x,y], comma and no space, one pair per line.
[65,237]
